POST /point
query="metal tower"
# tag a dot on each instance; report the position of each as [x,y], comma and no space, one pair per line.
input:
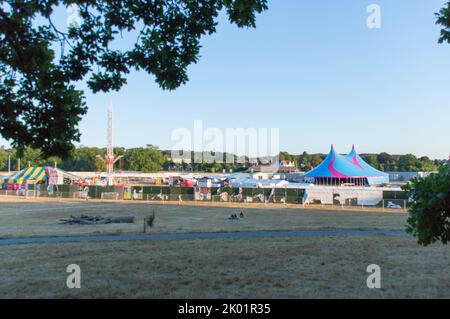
[110,160]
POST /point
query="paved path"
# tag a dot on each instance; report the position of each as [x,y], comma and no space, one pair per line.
[190,236]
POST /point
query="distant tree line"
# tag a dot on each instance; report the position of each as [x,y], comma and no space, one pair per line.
[151,159]
[145,159]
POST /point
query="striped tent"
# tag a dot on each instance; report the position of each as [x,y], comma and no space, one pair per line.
[35,174]
[351,169]
[374,176]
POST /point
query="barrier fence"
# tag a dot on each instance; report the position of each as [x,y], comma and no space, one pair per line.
[333,197]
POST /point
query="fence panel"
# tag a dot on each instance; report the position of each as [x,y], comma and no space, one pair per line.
[338,197]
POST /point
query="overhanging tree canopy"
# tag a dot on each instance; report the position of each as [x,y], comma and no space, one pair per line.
[40,106]
[443,19]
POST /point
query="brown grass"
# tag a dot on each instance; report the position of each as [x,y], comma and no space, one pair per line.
[20,219]
[328,267]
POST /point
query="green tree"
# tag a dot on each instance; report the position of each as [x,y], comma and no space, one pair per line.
[408,163]
[430,207]
[285,156]
[304,162]
[3,159]
[385,158]
[227,167]
[315,160]
[32,157]
[427,165]
[168,165]
[85,159]
[216,168]
[443,19]
[100,164]
[147,160]
[51,161]
[40,63]
[371,159]
[184,165]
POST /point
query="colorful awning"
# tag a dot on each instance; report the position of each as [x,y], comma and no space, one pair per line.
[35,174]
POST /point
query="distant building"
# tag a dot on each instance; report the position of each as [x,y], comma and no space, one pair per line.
[287,167]
[286,164]
[281,167]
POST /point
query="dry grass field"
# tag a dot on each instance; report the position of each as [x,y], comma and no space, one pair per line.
[328,267]
[310,267]
[42,219]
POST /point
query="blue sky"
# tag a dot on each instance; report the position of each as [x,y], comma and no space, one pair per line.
[312,69]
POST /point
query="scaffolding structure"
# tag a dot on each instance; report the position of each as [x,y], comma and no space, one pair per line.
[110,159]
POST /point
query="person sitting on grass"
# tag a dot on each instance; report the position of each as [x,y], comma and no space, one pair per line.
[241,215]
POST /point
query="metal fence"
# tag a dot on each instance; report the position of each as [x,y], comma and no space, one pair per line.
[281,196]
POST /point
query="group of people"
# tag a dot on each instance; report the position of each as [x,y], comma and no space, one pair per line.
[236,217]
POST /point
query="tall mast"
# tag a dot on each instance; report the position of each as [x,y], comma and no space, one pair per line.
[110,151]
[109,158]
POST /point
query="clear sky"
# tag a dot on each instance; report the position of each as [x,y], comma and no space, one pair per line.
[311,68]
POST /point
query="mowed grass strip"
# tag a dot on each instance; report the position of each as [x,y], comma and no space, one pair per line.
[42,219]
